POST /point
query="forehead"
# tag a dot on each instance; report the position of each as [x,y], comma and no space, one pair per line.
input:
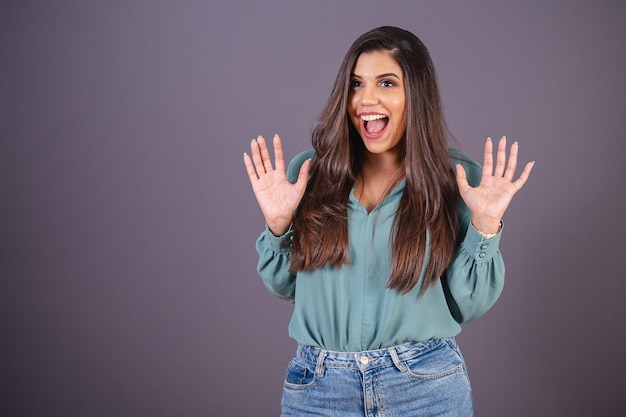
[372,64]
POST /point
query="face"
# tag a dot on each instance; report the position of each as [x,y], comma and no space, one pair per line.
[377,103]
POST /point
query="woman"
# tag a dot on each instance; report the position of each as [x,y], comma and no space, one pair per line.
[385,240]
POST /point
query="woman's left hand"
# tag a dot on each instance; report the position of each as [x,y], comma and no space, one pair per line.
[490,199]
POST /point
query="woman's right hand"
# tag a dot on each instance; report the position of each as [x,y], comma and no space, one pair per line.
[277,197]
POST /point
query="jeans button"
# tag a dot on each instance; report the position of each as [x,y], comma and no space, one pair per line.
[364,360]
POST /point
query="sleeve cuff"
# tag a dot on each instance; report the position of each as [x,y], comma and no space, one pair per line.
[279,244]
[478,246]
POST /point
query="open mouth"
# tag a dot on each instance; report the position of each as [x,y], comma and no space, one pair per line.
[374,124]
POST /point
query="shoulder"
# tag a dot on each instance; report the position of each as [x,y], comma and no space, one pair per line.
[296,163]
[473,169]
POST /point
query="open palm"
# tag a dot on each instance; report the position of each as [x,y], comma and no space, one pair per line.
[491,198]
[277,197]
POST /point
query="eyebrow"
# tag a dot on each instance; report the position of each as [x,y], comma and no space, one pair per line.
[378,77]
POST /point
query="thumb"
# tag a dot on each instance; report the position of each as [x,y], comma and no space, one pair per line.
[303,176]
[461,179]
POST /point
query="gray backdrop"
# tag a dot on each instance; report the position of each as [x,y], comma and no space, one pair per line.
[127,224]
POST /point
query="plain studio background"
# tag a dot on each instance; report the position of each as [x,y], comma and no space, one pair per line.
[128,271]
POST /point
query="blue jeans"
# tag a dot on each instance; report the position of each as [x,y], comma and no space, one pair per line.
[414,379]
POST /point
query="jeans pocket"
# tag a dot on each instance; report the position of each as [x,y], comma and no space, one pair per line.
[300,374]
[437,363]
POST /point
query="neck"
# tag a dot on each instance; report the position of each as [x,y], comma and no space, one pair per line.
[377,178]
[381,164]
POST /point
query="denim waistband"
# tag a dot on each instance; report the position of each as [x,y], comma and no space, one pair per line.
[368,359]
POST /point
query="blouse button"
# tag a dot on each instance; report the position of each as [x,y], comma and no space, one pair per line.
[482,254]
[483,247]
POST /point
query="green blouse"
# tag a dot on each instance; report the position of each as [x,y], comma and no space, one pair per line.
[351,309]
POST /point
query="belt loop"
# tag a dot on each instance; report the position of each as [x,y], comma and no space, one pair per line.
[396,360]
[319,366]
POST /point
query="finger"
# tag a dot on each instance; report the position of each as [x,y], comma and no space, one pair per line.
[279,158]
[461,179]
[250,168]
[488,158]
[512,164]
[256,157]
[303,176]
[265,154]
[519,183]
[501,158]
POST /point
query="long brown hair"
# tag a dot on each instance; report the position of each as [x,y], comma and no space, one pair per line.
[426,217]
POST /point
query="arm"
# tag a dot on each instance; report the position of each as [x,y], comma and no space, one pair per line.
[278,194]
[273,266]
[475,277]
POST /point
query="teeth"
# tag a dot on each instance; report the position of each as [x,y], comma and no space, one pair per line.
[370,117]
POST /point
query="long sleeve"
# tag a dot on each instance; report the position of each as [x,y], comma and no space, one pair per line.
[475,277]
[273,266]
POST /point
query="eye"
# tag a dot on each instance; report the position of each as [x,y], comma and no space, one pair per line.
[355,83]
[387,83]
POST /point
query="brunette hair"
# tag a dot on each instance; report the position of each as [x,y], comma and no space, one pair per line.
[427,216]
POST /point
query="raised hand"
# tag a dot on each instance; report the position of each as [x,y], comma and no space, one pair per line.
[490,199]
[277,197]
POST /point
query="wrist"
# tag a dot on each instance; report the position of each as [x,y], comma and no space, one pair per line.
[486,223]
[278,229]
[489,231]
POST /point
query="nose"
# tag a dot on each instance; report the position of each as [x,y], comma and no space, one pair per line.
[368,96]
